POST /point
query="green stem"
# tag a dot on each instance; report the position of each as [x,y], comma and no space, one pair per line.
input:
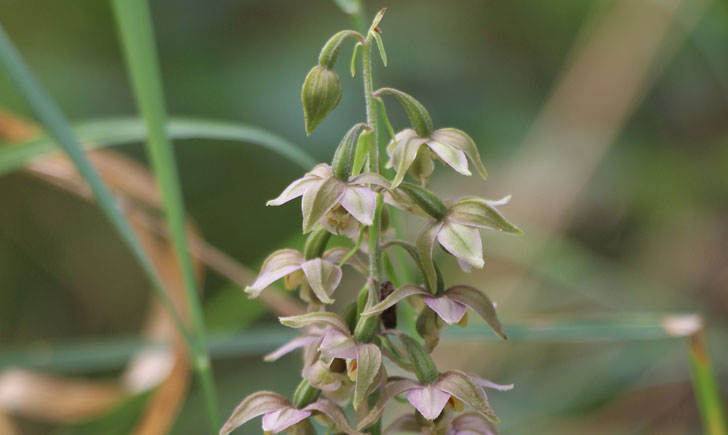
[371,104]
[137,36]
[706,386]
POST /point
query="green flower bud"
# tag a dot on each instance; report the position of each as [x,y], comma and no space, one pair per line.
[343,162]
[320,95]
[305,394]
[429,326]
[316,244]
[426,199]
[421,360]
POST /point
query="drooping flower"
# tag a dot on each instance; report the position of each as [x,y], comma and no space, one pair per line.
[320,275]
[363,360]
[430,399]
[279,414]
[466,423]
[412,149]
[450,306]
[322,191]
[409,151]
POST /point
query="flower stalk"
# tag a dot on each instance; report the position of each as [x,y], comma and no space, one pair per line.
[345,356]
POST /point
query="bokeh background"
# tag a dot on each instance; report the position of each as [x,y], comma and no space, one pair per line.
[606,120]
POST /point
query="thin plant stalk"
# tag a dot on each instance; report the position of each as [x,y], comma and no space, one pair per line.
[137,37]
[52,119]
[705,384]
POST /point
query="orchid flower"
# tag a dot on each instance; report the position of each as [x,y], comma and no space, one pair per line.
[322,191]
[279,414]
[450,306]
[409,151]
[320,275]
[430,400]
[364,360]
[457,231]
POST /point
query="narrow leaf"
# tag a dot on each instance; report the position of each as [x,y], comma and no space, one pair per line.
[380,45]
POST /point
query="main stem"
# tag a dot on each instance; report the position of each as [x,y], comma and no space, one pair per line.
[375,252]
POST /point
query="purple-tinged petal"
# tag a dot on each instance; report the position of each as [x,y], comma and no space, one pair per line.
[462,242]
[461,386]
[393,388]
[360,202]
[449,310]
[278,421]
[478,302]
[315,318]
[428,400]
[276,266]
[451,156]
[290,347]
[323,277]
[425,242]
[335,255]
[319,199]
[322,170]
[490,384]
[337,344]
[294,190]
[335,414]
[369,362]
[262,402]
[396,296]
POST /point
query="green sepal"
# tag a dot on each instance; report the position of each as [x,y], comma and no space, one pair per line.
[380,46]
[353,59]
[320,95]
[363,145]
[426,199]
[420,119]
[316,244]
[367,327]
[421,360]
[342,164]
[428,326]
[330,50]
[305,394]
[349,315]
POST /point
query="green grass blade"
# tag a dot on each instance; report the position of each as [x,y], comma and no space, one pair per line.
[705,384]
[56,125]
[119,131]
[137,39]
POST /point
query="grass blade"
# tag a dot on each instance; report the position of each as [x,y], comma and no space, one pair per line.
[56,125]
[137,39]
[119,131]
[705,384]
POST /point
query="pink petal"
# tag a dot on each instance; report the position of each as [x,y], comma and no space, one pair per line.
[294,190]
[290,347]
[322,170]
[276,266]
[278,421]
[428,400]
[360,202]
[448,310]
[336,344]
[323,277]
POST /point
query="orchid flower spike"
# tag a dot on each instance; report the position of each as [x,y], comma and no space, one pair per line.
[450,306]
[322,191]
[280,415]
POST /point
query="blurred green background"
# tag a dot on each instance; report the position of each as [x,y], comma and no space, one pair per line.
[607,121]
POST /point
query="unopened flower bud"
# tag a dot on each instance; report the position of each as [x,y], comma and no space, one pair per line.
[421,360]
[320,95]
[428,326]
[426,199]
